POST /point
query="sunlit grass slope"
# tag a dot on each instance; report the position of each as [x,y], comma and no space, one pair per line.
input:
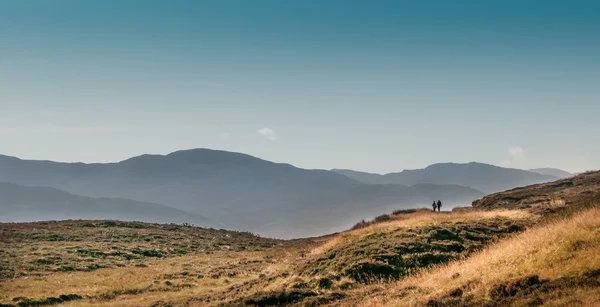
[554,264]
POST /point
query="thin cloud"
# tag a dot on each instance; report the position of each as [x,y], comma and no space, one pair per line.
[515,156]
[517,153]
[267,133]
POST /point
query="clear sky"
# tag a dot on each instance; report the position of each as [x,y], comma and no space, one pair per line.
[376,86]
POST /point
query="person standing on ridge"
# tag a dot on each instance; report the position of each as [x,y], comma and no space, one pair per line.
[433,205]
[439,205]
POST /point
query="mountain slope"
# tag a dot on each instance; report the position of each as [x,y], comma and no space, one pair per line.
[240,190]
[483,177]
[21,204]
[552,172]
[557,195]
[369,178]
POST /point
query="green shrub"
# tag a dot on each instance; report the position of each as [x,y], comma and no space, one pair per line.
[276,298]
[324,283]
[95,266]
[24,302]
[55,237]
[382,218]
[404,211]
[149,253]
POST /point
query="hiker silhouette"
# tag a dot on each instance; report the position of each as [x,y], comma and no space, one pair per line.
[439,205]
[433,206]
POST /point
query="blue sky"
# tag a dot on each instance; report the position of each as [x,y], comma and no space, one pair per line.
[377,86]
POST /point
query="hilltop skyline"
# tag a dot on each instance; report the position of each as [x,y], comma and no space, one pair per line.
[554,172]
[372,86]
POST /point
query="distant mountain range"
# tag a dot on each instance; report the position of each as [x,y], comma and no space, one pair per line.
[24,204]
[483,177]
[552,172]
[238,190]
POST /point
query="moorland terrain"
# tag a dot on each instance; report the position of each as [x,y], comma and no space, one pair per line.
[535,245]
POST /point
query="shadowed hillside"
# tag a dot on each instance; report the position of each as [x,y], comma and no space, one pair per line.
[25,204]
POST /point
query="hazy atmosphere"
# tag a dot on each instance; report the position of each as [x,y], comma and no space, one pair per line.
[299,153]
[376,86]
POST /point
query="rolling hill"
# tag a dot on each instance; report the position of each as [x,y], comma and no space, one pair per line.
[25,204]
[238,190]
[483,177]
[560,194]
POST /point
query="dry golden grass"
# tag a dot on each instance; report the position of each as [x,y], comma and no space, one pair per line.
[422,218]
[134,286]
[565,248]
[213,262]
[419,219]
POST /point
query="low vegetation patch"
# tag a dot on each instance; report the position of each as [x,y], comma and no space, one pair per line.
[272,298]
[386,217]
[70,246]
[25,302]
[396,253]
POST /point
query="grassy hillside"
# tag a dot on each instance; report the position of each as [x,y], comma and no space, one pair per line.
[559,196]
[398,247]
[105,263]
[498,255]
[136,263]
[555,264]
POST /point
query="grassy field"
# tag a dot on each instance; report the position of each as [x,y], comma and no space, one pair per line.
[103,263]
[532,254]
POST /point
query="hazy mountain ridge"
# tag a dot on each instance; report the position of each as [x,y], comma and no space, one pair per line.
[23,204]
[248,193]
[483,177]
[552,172]
[370,178]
